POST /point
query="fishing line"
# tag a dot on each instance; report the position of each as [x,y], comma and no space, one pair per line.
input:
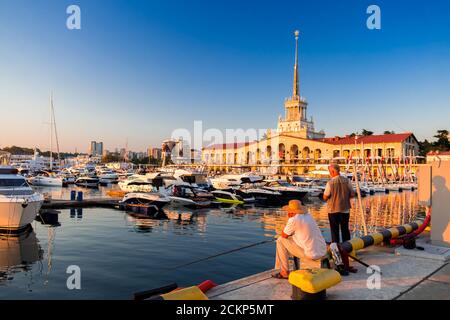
[223,253]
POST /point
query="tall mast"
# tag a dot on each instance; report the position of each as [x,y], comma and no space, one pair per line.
[51,131]
[56,132]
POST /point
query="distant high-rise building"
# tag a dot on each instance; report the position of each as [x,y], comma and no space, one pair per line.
[154,153]
[92,148]
[96,148]
[99,149]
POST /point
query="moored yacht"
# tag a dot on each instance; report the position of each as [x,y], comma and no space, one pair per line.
[146,198]
[19,204]
[87,182]
[263,196]
[107,176]
[227,197]
[137,183]
[46,179]
[234,180]
[288,191]
[189,197]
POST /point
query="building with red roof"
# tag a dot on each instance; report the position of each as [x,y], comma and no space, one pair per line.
[295,141]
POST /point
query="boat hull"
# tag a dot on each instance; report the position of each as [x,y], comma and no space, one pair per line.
[16,215]
[135,188]
[46,182]
[87,184]
[138,200]
[266,199]
[189,203]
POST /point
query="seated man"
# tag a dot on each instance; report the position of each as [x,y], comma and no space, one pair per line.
[301,238]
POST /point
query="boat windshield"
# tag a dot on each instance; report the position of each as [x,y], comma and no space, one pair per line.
[13,183]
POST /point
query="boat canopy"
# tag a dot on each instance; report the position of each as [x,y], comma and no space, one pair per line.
[8,170]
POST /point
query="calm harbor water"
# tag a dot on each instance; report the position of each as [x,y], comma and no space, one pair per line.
[119,253]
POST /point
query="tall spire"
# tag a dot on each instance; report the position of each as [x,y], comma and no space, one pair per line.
[296,91]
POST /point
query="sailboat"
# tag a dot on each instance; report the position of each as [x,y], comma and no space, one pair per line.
[48,179]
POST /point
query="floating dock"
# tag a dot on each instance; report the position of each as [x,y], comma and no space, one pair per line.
[85,203]
[406,274]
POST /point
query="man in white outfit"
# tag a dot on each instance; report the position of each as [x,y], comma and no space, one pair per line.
[301,238]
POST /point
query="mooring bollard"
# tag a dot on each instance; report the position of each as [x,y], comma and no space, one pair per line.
[73,195]
[80,196]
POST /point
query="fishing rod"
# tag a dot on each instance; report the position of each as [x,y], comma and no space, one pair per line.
[224,253]
[364,264]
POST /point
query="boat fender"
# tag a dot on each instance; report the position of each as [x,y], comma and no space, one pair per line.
[190,293]
[25,203]
[312,283]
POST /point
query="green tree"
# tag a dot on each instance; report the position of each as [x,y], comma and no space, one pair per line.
[442,143]
[388,132]
[366,132]
[425,147]
[111,157]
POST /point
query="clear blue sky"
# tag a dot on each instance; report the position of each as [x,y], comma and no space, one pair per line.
[139,69]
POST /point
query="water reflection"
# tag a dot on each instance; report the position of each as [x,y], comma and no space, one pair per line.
[133,243]
[144,223]
[64,193]
[18,252]
[379,211]
[183,222]
[49,218]
[76,213]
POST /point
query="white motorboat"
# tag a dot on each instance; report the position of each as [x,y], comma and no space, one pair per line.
[87,182]
[150,198]
[19,204]
[378,188]
[67,176]
[234,180]
[393,187]
[189,197]
[137,183]
[46,179]
[408,186]
[288,191]
[108,177]
[313,186]
[192,177]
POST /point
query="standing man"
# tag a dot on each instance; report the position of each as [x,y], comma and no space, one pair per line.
[337,193]
[301,238]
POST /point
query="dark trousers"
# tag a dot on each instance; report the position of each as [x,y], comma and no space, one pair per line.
[339,222]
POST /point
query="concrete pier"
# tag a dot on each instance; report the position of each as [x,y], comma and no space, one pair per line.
[404,276]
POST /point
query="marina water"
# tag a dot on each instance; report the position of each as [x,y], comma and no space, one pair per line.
[120,253]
